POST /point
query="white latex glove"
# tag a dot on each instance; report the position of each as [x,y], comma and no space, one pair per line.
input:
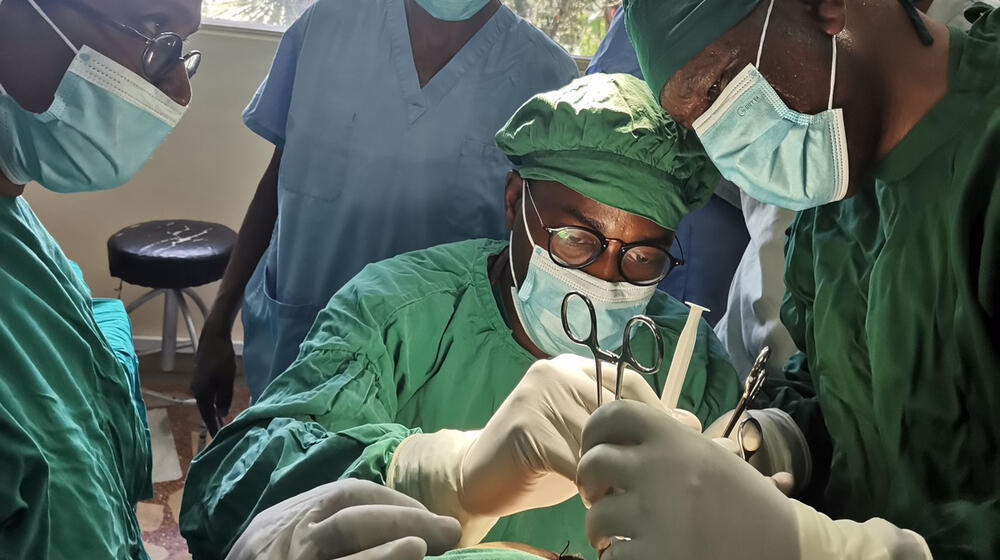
[348,520]
[524,458]
[780,452]
[676,494]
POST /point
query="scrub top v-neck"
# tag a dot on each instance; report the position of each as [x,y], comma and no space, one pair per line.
[374,165]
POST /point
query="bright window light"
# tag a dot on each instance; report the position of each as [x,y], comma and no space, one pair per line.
[578,25]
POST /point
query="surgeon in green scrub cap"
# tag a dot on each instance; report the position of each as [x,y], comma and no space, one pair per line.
[882,129]
[414,375]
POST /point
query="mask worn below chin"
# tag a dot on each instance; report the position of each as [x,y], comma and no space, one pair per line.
[104,123]
[452,10]
[538,302]
[773,153]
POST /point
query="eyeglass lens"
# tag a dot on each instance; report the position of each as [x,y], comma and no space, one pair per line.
[163,52]
[576,248]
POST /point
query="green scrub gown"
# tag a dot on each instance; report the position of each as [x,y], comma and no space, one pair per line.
[893,298]
[413,344]
[74,444]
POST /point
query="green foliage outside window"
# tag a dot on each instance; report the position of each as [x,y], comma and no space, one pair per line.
[578,25]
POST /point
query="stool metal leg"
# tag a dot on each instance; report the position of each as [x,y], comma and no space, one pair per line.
[139,302]
[169,347]
[188,321]
[197,301]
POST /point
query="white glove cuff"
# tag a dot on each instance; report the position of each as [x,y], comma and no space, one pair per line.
[428,468]
[785,447]
[821,538]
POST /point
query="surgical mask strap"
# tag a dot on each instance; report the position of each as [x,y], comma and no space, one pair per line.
[833,65]
[524,220]
[833,73]
[54,27]
[763,34]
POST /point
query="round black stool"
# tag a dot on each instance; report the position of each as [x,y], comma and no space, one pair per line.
[171,257]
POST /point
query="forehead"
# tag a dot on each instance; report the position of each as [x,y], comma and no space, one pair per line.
[610,221]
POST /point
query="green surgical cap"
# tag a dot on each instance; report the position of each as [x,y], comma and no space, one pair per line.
[668,33]
[605,137]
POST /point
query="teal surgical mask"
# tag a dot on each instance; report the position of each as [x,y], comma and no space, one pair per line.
[105,121]
[452,10]
[538,302]
[774,154]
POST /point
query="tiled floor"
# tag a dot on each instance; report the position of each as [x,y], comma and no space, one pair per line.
[176,439]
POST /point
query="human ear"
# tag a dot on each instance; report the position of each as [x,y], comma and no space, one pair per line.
[512,196]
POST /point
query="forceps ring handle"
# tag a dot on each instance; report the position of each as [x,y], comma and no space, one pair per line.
[628,359]
[590,341]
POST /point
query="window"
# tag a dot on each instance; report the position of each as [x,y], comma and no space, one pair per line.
[578,25]
[275,14]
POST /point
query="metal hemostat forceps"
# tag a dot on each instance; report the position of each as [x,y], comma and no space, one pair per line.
[755,380]
[626,359]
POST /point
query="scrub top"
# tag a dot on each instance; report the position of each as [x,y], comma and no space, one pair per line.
[373,165]
[712,238]
[753,313]
[413,344]
[894,296]
[615,54]
[74,445]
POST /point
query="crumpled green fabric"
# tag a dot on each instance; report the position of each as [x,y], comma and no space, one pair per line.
[74,445]
[605,137]
[414,343]
[893,298]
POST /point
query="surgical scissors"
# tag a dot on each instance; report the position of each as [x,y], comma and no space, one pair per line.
[752,385]
[626,359]
[755,380]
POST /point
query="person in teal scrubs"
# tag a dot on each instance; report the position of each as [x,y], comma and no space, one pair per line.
[419,349]
[382,114]
[81,110]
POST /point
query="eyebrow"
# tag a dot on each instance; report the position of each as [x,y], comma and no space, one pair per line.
[584,219]
[593,224]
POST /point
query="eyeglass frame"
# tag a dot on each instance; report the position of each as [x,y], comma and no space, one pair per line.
[150,41]
[674,262]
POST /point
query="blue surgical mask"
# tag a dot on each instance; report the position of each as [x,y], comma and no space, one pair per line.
[538,302]
[452,10]
[105,121]
[776,155]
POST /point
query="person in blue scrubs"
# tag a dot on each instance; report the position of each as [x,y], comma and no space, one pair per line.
[382,114]
[711,239]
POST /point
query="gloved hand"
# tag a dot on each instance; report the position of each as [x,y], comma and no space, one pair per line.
[524,458]
[214,373]
[676,494]
[778,450]
[348,519]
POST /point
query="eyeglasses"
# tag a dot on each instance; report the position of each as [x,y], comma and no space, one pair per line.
[578,247]
[163,51]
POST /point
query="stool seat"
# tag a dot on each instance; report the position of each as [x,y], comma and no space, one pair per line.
[171,254]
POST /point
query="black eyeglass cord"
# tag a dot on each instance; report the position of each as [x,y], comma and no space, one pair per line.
[918,23]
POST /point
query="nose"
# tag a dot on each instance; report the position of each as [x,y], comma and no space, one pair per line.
[606,266]
[177,85]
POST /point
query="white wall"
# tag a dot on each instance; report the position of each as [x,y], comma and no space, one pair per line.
[207,170]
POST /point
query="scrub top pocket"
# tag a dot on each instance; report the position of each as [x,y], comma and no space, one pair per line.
[329,172]
[272,331]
